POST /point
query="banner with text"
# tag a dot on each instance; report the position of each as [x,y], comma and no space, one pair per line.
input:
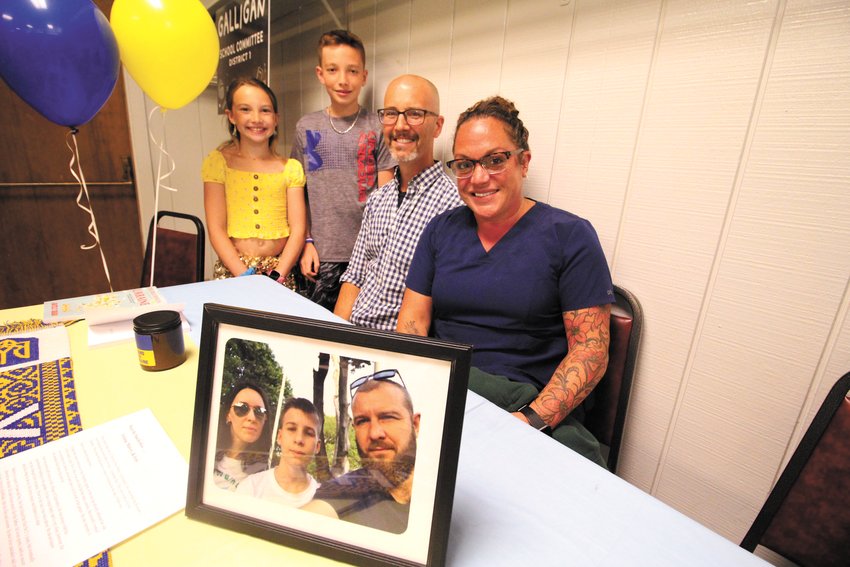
[244,43]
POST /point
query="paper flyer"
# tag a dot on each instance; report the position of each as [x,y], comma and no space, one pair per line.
[76,496]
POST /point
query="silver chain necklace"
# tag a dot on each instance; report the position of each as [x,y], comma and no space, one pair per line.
[347,130]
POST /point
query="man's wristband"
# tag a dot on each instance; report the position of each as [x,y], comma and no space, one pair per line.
[535,420]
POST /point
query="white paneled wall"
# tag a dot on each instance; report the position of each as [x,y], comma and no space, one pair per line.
[778,276]
[709,144]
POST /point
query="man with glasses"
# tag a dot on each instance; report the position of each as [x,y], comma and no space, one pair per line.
[396,214]
[385,427]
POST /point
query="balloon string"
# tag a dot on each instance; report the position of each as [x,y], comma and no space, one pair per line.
[92,228]
[160,177]
[172,166]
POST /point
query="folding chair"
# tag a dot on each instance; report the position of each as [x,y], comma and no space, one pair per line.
[606,416]
[806,517]
[179,255]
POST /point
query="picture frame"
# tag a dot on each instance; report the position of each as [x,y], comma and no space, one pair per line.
[396,432]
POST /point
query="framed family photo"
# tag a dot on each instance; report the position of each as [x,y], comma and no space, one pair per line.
[333,439]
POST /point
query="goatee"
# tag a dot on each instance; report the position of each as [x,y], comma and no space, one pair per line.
[391,472]
[404,158]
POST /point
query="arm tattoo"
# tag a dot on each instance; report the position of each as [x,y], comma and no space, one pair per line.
[409,327]
[588,335]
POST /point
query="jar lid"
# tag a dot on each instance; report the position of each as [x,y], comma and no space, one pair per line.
[156,322]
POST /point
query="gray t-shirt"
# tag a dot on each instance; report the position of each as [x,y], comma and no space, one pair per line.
[342,170]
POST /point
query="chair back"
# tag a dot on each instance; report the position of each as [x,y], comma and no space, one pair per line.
[606,416]
[806,517]
[179,255]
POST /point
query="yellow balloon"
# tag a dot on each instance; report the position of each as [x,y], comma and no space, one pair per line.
[169,47]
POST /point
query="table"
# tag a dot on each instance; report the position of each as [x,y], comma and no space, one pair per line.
[586,517]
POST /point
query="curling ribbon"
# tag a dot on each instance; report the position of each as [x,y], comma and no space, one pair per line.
[160,177]
[84,191]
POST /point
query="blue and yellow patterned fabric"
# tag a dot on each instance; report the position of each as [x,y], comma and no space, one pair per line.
[38,401]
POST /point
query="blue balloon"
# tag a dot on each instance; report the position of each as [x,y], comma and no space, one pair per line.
[60,56]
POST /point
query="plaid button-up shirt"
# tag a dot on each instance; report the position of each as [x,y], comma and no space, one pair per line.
[387,240]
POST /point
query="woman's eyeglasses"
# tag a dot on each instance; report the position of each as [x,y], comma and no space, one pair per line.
[383,375]
[492,164]
[413,116]
[241,410]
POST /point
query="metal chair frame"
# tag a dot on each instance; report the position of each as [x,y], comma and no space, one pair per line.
[200,245]
[598,418]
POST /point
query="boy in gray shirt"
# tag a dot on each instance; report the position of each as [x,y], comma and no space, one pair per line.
[345,158]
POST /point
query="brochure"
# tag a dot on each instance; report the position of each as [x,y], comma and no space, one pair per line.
[104,307]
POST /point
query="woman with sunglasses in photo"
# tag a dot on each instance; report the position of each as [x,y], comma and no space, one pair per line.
[289,483]
[244,440]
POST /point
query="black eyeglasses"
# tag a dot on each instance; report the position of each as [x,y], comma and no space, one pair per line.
[241,410]
[492,164]
[384,375]
[413,116]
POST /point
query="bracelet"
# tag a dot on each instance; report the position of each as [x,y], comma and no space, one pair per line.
[275,275]
[535,420]
[308,240]
[249,272]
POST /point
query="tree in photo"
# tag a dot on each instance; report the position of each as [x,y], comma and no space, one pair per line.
[338,453]
[347,367]
[323,471]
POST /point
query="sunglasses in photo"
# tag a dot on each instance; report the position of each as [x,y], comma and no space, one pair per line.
[241,410]
[382,375]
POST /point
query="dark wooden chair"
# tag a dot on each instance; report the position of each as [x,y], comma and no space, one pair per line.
[180,255]
[606,416]
[806,517]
